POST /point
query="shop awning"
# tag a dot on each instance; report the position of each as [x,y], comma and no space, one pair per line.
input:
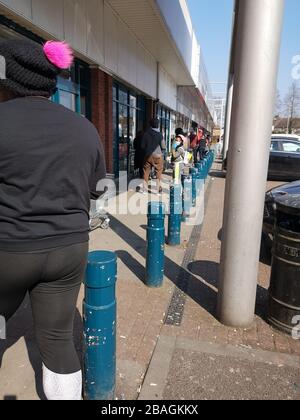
[145,20]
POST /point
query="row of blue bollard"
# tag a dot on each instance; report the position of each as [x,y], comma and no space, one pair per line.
[99,306]
[182,198]
[191,189]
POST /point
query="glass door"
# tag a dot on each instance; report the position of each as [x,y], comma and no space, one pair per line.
[123,138]
[132,133]
[125,121]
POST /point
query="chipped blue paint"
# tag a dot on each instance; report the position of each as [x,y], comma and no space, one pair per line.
[99,315]
[186,197]
[194,173]
[175,215]
[155,262]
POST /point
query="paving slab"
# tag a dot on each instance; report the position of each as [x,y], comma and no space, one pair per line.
[183,369]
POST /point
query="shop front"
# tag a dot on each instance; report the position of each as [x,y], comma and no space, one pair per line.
[129,120]
[164,115]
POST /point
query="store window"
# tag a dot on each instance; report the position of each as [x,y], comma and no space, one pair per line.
[73,89]
[165,124]
[67,94]
[183,122]
[128,120]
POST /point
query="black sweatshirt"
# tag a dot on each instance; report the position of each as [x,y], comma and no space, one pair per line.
[50,160]
[150,142]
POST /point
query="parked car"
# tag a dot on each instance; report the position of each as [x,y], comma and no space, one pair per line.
[284,159]
[284,163]
[292,188]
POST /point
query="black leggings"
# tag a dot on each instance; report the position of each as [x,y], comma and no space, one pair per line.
[53,280]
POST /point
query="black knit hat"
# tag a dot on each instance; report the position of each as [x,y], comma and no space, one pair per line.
[179,132]
[155,123]
[30,69]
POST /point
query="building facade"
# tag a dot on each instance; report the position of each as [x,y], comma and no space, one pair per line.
[135,59]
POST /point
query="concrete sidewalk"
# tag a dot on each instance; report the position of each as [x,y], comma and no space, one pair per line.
[141,311]
[169,341]
[201,359]
[184,369]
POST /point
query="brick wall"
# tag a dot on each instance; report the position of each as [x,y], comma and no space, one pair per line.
[102,112]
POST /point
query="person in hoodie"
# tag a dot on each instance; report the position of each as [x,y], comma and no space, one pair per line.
[51,160]
[153,147]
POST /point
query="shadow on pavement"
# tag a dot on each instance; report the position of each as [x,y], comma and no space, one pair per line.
[220,234]
[201,293]
[218,174]
[209,272]
[132,264]
[21,326]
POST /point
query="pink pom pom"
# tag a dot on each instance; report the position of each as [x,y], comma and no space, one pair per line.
[59,53]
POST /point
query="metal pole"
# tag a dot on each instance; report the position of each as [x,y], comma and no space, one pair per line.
[222,118]
[256,65]
[230,84]
[228,115]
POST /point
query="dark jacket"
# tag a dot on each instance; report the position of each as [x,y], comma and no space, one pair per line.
[139,155]
[50,160]
[202,144]
[151,140]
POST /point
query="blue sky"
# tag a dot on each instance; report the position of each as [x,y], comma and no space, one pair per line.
[213,19]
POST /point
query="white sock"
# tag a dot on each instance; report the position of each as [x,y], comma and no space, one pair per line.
[62,387]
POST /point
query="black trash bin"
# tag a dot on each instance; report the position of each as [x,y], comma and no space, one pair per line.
[284,293]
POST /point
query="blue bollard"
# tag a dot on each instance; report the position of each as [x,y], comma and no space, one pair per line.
[99,318]
[187,186]
[208,164]
[206,167]
[194,173]
[200,176]
[198,166]
[200,182]
[210,160]
[175,215]
[183,180]
[201,173]
[155,262]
